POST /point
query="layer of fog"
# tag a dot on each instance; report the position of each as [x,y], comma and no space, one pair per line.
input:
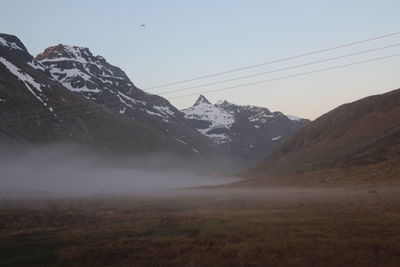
[59,171]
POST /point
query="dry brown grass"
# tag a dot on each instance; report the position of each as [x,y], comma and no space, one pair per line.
[379,173]
[275,227]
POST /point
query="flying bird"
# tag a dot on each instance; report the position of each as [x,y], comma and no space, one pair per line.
[143,25]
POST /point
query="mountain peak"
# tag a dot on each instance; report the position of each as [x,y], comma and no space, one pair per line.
[80,71]
[60,51]
[11,42]
[248,132]
[224,104]
[202,99]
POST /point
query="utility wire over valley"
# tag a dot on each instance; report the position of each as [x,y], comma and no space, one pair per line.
[281,69]
[273,61]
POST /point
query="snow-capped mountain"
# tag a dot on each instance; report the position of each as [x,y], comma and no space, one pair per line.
[97,80]
[210,120]
[247,131]
[71,96]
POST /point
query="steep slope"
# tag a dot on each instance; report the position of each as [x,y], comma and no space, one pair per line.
[353,136]
[37,109]
[97,80]
[247,131]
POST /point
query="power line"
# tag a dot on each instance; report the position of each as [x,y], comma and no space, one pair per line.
[281,69]
[287,76]
[272,62]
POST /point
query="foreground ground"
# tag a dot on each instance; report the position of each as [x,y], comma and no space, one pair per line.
[353,226]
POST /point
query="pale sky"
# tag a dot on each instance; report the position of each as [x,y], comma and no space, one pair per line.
[186,39]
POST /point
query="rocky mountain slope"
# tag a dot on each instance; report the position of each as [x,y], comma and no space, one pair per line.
[71,96]
[247,131]
[97,80]
[360,138]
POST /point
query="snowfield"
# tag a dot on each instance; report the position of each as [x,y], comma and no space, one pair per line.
[217,117]
[29,82]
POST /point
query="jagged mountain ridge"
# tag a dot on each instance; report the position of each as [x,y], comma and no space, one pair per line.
[37,109]
[97,80]
[247,131]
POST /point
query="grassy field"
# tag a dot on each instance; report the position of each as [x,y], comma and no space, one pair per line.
[267,227]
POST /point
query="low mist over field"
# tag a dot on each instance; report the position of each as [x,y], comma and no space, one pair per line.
[65,170]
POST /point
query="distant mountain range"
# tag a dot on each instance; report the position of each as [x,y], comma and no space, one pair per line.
[69,95]
[355,142]
[98,81]
[249,132]
[66,94]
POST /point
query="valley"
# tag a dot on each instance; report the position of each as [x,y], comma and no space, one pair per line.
[280,226]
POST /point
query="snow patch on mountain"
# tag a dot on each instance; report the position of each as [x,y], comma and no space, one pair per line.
[216,117]
[10,45]
[261,117]
[29,82]
[123,98]
[217,138]
[152,113]
[164,110]
[161,111]
[294,118]
[180,141]
[36,65]
[68,77]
